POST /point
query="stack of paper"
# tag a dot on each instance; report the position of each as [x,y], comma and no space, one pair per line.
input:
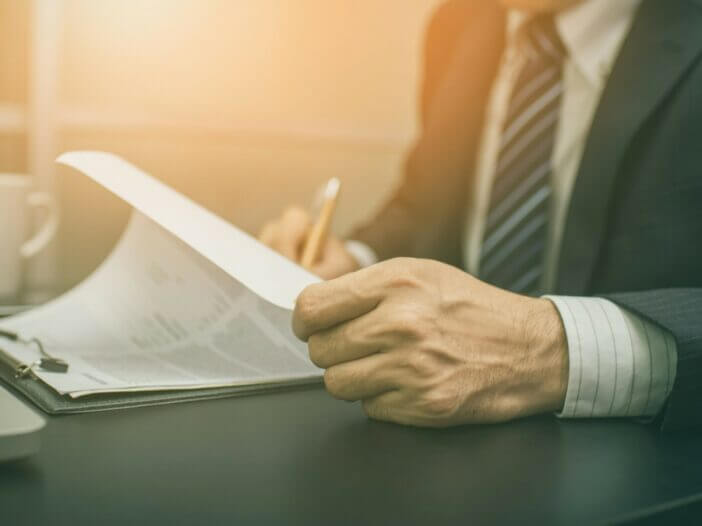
[184,301]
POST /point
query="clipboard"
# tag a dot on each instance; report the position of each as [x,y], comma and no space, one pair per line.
[50,401]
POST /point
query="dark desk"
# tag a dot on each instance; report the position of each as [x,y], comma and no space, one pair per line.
[301,457]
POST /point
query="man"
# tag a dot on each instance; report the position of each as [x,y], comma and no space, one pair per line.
[560,154]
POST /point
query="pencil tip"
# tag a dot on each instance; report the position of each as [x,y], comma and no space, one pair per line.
[332,188]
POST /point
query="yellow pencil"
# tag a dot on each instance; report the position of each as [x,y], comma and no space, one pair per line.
[318,234]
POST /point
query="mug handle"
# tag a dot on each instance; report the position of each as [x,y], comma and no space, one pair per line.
[48,230]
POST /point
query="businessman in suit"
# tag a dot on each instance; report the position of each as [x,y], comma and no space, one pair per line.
[544,251]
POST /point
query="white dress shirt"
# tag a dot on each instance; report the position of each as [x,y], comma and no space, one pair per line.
[620,363]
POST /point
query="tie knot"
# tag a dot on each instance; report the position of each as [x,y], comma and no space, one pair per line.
[541,39]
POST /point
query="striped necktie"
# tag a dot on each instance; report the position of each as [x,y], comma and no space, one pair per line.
[516,228]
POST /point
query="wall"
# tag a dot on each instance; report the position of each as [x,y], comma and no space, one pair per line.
[245,106]
[14,55]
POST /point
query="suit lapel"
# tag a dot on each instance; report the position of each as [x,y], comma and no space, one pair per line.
[664,41]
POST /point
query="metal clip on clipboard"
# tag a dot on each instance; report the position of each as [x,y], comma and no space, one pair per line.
[45,361]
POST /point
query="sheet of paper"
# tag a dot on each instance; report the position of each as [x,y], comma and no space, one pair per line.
[265,272]
[157,314]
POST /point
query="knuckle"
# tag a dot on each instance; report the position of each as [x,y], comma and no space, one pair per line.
[374,410]
[408,323]
[442,404]
[304,314]
[404,281]
[340,339]
[315,347]
[330,346]
[333,383]
[420,365]
[305,305]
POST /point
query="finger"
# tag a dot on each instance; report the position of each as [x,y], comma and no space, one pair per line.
[328,266]
[335,260]
[324,305]
[327,269]
[403,406]
[365,378]
[350,340]
[294,227]
[268,234]
[387,407]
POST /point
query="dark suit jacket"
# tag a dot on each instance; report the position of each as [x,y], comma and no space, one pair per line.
[634,227]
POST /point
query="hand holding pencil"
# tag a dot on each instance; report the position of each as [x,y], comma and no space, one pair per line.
[307,240]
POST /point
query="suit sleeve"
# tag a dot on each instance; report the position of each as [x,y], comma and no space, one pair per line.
[679,311]
[395,229]
[424,216]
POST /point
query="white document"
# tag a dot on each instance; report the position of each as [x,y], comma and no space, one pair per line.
[184,301]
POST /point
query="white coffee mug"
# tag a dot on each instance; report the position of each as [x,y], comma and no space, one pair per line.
[17,204]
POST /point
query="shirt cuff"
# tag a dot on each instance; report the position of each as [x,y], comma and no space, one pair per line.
[619,363]
[364,255]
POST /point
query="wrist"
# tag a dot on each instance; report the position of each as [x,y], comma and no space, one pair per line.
[547,342]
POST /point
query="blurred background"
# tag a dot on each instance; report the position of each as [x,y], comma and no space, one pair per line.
[244,105]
